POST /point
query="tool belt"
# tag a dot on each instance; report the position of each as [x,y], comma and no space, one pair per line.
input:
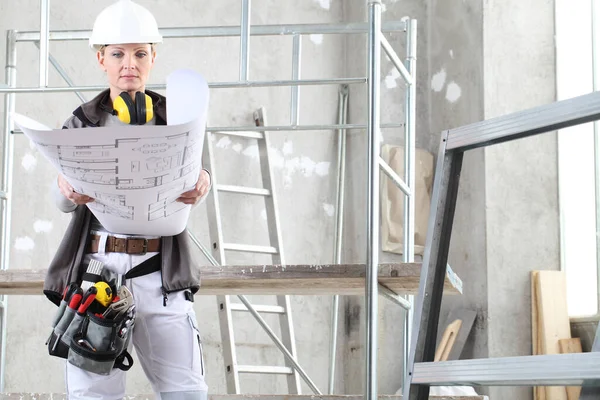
[95,336]
[114,244]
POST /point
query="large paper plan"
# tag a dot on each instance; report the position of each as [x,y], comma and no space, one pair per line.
[134,173]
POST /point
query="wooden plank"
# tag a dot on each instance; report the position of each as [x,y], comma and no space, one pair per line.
[468,319]
[539,393]
[553,319]
[61,396]
[568,346]
[347,279]
[447,342]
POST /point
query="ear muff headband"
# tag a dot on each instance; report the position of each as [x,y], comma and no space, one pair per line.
[138,113]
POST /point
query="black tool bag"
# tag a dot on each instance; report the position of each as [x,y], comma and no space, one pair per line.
[101,344]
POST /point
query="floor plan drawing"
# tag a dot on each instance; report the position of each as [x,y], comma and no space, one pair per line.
[135,173]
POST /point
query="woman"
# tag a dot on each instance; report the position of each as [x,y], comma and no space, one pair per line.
[165,336]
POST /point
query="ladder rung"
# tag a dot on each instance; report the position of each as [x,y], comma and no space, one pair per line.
[245,134]
[243,190]
[259,308]
[249,248]
[259,369]
[542,370]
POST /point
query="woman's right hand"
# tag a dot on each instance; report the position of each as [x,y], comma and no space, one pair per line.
[67,190]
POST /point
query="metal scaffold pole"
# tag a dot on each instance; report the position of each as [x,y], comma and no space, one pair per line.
[371,290]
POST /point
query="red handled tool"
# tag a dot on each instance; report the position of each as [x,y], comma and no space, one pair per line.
[87,300]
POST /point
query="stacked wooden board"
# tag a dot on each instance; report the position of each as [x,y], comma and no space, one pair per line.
[550,327]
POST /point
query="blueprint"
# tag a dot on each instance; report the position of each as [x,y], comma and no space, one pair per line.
[134,173]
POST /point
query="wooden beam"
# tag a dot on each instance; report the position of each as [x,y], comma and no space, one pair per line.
[348,279]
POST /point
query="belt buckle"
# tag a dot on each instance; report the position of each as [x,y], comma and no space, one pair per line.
[144,247]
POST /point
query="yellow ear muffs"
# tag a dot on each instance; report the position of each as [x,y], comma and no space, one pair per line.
[137,113]
[144,107]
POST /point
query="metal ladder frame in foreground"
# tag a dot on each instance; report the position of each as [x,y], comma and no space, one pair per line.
[376,39]
[541,370]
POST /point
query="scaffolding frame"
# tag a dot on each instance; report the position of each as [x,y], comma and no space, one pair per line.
[374,29]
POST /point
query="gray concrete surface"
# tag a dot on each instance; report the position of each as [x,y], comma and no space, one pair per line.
[475,60]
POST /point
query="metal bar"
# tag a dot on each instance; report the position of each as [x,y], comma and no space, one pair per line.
[260,309]
[249,248]
[244,40]
[243,190]
[433,272]
[264,369]
[203,249]
[223,31]
[396,179]
[339,227]
[61,71]
[212,85]
[394,297]
[373,120]
[44,41]
[226,129]
[596,127]
[543,370]
[408,254]
[247,135]
[10,77]
[387,47]
[304,127]
[296,66]
[279,344]
[550,117]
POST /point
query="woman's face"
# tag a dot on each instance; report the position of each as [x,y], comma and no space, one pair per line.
[127,66]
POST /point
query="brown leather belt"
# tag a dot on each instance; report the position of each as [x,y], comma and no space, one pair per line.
[125,245]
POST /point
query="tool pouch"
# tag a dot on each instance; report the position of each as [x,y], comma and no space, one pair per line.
[101,344]
[57,346]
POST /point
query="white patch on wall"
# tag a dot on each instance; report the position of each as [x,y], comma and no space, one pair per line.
[263,214]
[329,209]
[31,145]
[438,80]
[451,53]
[290,166]
[24,243]
[390,79]
[453,92]
[383,7]
[288,147]
[224,142]
[324,3]
[237,147]
[251,151]
[322,168]
[29,162]
[42,226]
[316,38]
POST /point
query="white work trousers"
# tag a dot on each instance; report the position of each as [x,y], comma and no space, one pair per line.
[166,340]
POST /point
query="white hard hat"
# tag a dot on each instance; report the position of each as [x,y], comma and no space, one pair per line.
[124,22]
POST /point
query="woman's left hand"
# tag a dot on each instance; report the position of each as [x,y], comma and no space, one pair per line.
[202,188]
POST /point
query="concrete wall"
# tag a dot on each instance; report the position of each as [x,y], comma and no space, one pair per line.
[473,58]
[521,177]
[304,174]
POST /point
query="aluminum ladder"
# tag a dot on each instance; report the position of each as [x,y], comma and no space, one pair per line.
[582,369]
[226,308]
